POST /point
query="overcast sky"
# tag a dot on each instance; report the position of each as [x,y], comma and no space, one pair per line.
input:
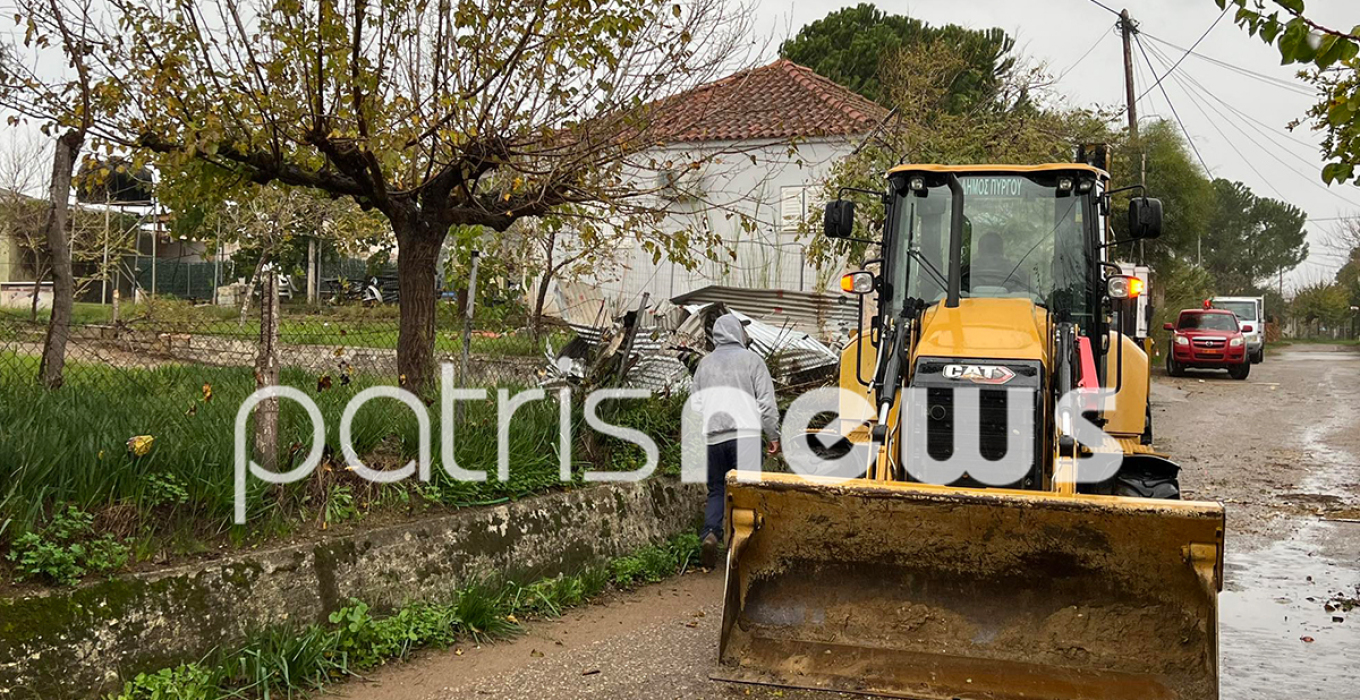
[1253,146]
[1059,32]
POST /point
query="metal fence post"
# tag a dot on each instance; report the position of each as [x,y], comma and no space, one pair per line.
[155,238]
[311,270]
[467,329]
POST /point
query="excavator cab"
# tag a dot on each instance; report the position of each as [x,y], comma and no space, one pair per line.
[1011,533]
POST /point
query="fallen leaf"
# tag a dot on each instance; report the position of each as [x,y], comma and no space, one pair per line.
[513,620]
[590,671]
[1307,639]
[457,652]
[207,392]
[140,445]
[536,653]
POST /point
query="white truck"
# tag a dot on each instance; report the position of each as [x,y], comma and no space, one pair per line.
[1140,318]
[1250,311]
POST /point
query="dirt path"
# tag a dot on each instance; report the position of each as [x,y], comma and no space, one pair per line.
[1281,450]
[1289,439]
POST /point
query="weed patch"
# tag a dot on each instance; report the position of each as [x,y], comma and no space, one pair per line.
[66,550]
[280,661]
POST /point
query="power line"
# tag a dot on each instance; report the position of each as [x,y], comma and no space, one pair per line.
[1105,7]
[1103,36]
[1193,46]
[1225,138]
[1269,80]
[1188,138]
[1182,80]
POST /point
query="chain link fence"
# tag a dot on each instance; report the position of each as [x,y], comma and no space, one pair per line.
[331,343]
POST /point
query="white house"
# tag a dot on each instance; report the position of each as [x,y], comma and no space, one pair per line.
[766,139]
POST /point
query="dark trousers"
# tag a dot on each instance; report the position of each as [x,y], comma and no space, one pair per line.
[722,458]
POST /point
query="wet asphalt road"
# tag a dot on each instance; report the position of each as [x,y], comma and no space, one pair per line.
[1281,450]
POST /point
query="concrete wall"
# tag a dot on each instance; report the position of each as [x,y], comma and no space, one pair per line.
[76,643]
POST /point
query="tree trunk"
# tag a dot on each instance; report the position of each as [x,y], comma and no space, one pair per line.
[536,330]
[267,374]
[250,286]
[417,259]
[50,371]
[38,274]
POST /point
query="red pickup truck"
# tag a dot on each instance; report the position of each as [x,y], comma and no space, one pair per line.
[1208,339]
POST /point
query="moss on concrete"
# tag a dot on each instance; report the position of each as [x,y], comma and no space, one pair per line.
[77,643]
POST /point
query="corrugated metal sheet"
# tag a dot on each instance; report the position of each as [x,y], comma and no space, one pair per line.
[668,335]
[829,317]
[800,356]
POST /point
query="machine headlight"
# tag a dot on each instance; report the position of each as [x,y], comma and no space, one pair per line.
[1235,342]
[1182,340]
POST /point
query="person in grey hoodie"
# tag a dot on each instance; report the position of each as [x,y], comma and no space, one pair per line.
[732,365]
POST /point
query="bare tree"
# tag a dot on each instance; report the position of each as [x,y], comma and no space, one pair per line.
[21,213]
[69,102]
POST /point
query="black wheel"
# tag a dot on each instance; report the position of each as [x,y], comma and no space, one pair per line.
[1259,356]
[1148,487]
[1173,368]
[1147,476]
[1240,371]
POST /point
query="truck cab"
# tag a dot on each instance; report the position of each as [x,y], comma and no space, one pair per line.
[1250,311]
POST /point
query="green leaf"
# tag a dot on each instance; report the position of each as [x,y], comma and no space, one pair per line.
[1270,29]
[1294,42]
[1291,5]
[1328,51]
[1339,114]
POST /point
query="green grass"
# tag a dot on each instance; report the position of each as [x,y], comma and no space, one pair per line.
[283,662]
[343,326]
[69,447]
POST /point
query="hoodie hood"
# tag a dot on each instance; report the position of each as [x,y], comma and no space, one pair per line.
[727,330]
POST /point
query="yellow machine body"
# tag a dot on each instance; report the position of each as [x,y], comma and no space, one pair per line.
[886,586]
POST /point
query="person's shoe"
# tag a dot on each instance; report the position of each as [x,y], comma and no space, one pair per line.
[709,551]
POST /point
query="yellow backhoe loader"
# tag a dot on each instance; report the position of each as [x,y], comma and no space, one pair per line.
[1007,530]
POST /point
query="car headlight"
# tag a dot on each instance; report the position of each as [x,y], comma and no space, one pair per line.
[1182,340]
[1235,342]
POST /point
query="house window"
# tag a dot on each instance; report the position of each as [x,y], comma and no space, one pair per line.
[798,203]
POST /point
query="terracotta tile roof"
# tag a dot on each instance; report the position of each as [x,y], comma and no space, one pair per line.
[777,101]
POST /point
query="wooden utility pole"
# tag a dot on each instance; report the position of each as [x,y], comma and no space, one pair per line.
[1127,28]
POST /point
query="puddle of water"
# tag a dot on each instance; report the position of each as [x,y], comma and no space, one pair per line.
[1264,610]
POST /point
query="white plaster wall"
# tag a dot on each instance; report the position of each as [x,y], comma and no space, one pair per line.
[732,185]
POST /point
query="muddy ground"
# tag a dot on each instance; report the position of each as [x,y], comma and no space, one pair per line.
[1281,450]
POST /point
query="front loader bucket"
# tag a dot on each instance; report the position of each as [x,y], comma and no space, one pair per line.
[921,591]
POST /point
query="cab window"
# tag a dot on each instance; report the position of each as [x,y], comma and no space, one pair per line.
[1207,322]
